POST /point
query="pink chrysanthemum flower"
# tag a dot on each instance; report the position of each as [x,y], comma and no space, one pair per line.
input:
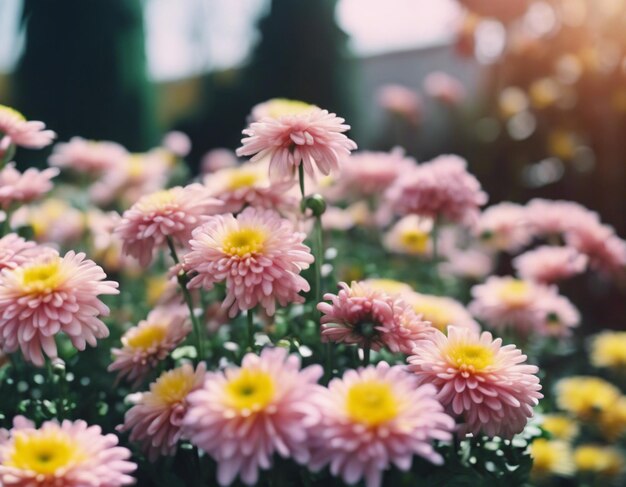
[548,264]
[258,254]
[70,454]
[444,88]
[53,220]
[15,251]
[441,311]
[87,156]
[367,173]
[373,418]
[440,188]
[249,185]
[242,416]
[217,159]
[503,227]
[156,418]
[178,143]
[605,250]
[471,263]
[366,316]
[22,132]
[558,314]
[313,138]
[150,342]
[551,218]
[486,384]
[17,187]
[506,302]
[48,295]
[172,213]
[411,235]
[402,101]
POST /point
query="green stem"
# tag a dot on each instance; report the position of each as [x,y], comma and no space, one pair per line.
[182,282]
[435,239]
[250,319]
[318,241]
[301,179]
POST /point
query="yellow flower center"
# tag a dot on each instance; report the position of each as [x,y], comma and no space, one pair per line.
[39,278]
[43,452]
[414,240]
[435,313]
[371,403]
[281,107]
[173,386]
[159,199]
[146,337]
[560,427]
[242,178]
[135,167]
[243,242]
[12,112]
[515,293]
[472,357]
[250,390]
[389,286]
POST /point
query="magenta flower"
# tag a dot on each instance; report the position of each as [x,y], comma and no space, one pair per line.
[374,418]
[16,187]
[486,384]
[88,156]
[313,138]
[156,418]
[243,416]
[49,295]
[69,454]
[22,132]
[144,346]
[172,213]
[548,264]
[360,314]
[258,254]
[440,188]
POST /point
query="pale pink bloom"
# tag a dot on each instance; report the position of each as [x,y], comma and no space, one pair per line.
[400,100]
[69,454]
[17,187]
[217,159]
[503,227]
[548,264]
[258,254]
[444,88]
[144,346]
[49,295]
[157,416]
[559,316]
[551,218]
[53,220]
[441,311]
[376,417]
[15,251]
[250,185]
[411,235]
[279,107]
[22,132]
[131,178]
[313,138]
[469,263]
[87,156]
[605,250]
[366,174]
[484,383]
[168,214]
[243,416]
[441,188]
[178,143]
[363,315]
[357,214]
[506,302]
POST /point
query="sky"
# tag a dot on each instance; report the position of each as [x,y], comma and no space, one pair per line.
[190,36]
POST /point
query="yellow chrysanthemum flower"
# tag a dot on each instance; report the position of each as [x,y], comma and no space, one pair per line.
[560,426]
[551,457]
[586,397]
[596,459]
[608,349]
